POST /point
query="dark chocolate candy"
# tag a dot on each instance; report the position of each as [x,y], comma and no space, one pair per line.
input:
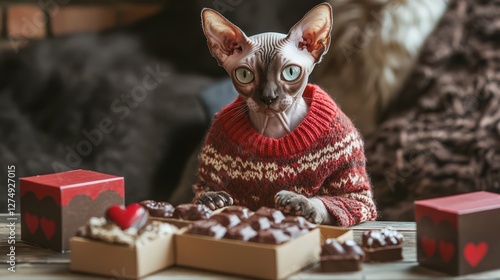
[381,238]
[384,254]
[351,248]
[243,232]
[208,228]
[339,263]
[226,219]
[291,229]
[271,236]
[192,212]
[158,209]
[300,221]
[332,247]
[383,245]
[341,257]
[242,212]
[274,215]
[259,222]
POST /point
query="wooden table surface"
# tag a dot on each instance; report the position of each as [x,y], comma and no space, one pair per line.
[37,263]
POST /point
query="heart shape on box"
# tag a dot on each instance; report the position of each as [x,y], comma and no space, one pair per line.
[48,227]
[32,222]
[474,254]
[447,250]
[125,217]
[429,246]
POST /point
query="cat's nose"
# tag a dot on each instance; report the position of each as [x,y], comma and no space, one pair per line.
[268,100]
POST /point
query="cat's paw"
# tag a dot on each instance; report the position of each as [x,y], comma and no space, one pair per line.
[296,204]
[215,200]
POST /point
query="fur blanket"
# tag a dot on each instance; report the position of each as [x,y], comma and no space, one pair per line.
[442,136]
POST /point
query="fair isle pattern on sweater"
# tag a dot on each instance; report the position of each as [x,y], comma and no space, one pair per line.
[323,158]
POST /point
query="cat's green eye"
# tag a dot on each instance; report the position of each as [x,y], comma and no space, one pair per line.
[291,73]
[244,75]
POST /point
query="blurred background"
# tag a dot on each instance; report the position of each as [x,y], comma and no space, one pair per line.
[129,88]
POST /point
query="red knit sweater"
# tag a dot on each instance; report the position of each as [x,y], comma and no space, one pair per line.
[323,158]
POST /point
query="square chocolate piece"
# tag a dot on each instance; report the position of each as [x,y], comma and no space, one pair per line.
[54,206]
[459,234]
[385,245]
[341,256]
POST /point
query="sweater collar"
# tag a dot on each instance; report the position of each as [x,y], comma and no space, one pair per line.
[322,111]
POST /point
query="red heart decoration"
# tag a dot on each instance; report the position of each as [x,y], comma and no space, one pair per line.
[31,222]
[429,246]
[48,227]
[125,217]
[447,250]
[474,254]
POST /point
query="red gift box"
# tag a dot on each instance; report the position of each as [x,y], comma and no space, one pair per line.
[459,234]
[54,206]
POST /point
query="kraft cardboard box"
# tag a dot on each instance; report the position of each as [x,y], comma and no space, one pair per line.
[54,206]
[459,234]
[251,259]
[247,258]
[120,261]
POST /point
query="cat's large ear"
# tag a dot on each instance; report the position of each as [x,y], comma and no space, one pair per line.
[223,38]
[312,32]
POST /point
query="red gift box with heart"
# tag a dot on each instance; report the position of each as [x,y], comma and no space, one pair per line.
[459,234]
[54,206]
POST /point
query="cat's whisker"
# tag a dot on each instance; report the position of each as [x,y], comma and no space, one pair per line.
[243,106]
[242,110]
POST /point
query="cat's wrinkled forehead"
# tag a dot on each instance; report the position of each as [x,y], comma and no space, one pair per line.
[266,45]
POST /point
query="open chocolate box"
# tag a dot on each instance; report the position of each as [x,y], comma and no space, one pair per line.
[123,244]
[121,261]
[459,234]
[267,261]
[251,259]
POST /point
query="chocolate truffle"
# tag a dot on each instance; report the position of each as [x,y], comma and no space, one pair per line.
[226,219]
[383,245]
[158,209]
[259,222]
[242,232]
[274,215]
[192,212]
[341,257]
[208,228]
[242,212]
[271,236]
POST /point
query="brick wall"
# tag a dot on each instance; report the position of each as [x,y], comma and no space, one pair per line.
[38,19]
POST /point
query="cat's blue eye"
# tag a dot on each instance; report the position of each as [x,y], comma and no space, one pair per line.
[291,73]
[244,75]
